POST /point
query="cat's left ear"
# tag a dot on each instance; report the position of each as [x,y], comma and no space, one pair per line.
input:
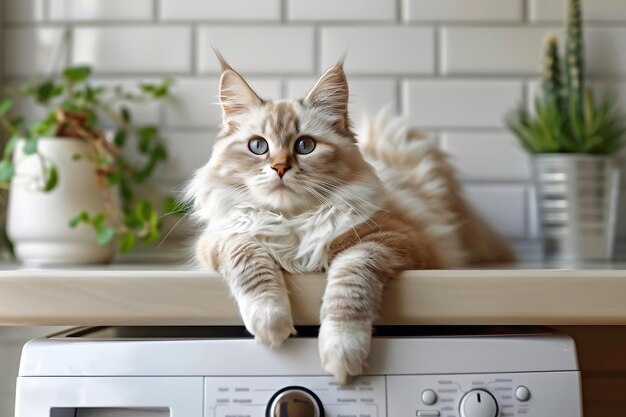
[331,93]
[236,96]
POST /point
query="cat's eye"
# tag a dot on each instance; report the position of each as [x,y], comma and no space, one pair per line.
[258,145]
[305,145]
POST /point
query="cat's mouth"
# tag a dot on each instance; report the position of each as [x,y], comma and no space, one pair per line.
[280,186]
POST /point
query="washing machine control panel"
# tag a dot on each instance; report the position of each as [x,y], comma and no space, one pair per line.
[294,397]
[472,395]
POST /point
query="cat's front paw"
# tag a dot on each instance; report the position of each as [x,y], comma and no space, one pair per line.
[268,320]
[344,347]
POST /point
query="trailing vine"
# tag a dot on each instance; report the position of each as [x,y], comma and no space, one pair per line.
[78,109]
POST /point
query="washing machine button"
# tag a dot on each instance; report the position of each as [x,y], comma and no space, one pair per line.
[429,397]
[478,403]
[522,393]
[428,413]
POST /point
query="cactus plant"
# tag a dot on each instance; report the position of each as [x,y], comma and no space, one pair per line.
[566,118]
[551,75]
[574,60]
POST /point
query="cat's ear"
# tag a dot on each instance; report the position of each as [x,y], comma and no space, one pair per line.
[331,93]
[236,96]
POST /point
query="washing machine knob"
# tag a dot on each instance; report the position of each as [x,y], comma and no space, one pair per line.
[478,403]
[294,402]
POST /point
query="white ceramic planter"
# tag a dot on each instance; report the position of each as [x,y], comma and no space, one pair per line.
[37,222]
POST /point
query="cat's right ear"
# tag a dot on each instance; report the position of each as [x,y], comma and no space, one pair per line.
[236,96]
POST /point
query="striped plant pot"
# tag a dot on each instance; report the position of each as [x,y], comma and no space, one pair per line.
[577,200]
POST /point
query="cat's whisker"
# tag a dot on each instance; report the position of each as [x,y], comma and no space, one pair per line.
[172,229]
[340,188]
[343,182]
[329,204]
[366,218]
[359,214]
[351,225]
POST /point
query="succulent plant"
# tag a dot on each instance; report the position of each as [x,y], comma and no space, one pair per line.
[567,118]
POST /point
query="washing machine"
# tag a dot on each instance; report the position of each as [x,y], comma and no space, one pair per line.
[221,372]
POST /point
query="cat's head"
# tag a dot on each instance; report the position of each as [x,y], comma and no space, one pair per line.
[286,156]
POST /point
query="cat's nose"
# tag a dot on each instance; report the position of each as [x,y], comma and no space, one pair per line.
[281,169]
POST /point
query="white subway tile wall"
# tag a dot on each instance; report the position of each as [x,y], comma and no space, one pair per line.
[491,50]
[342,10]
[463,10]
[231,10]
[32,50]
[460,103]
[452,67]
[470,151]
[129,49]
[93,10]
[257,49]
[379,49]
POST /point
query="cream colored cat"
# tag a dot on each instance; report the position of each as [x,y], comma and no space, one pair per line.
[289,187]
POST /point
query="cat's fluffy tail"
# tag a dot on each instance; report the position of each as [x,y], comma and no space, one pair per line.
[409,163]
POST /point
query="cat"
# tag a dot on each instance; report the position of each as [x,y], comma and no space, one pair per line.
[290,187]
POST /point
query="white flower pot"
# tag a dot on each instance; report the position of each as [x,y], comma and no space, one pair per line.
[37,221]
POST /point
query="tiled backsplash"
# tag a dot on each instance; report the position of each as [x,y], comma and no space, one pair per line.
[453,67]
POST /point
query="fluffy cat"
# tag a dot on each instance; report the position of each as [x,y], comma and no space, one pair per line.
[289,187]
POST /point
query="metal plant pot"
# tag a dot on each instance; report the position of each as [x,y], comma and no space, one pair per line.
[577,198]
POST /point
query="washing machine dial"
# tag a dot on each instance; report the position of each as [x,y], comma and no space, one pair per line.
[478,403]
[294,402]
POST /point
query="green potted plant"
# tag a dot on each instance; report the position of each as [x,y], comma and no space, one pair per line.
[572,138]
[73,189]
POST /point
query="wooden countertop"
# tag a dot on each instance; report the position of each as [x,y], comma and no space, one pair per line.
[166,295]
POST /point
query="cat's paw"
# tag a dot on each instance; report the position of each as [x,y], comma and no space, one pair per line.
[268,320]
[344,347]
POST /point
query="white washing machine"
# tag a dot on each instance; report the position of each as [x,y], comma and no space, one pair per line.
[222,372]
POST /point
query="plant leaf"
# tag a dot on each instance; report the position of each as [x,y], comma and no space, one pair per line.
[7,170]
[157,90]
[10,146]
[143,210]
[97,221]
[125,113]
[104,234]
[52,180]
[5,106]
[45,91]
[127,242]
[82,217]
[146,135]
[31,145]
[77,74]
[120,138]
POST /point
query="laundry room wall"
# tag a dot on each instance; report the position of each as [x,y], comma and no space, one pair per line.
[11,341]
[453,67]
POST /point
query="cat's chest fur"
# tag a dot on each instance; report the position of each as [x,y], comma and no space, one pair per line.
[299,244]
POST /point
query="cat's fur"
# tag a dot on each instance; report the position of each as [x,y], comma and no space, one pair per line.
[362,210]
